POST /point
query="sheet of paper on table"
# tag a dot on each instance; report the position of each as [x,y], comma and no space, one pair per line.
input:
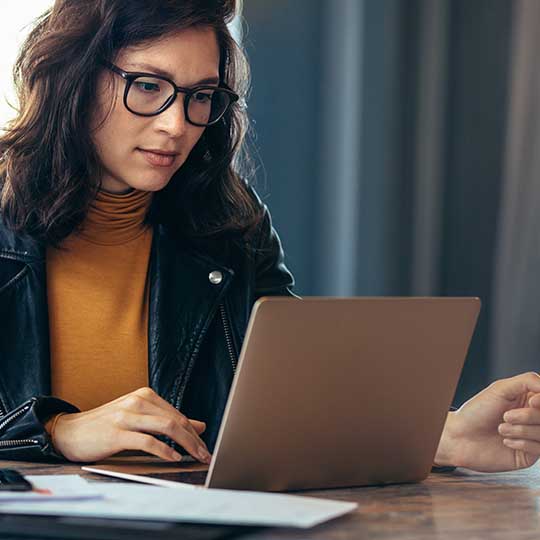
[47,488]
[152,470]
[141,478]
[131,501]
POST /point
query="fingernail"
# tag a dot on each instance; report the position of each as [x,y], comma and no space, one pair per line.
[204,455]
[176,455]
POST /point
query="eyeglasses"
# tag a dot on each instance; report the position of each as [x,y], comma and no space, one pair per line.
[147,94]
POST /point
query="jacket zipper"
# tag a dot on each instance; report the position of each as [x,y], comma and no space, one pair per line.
[228,338]
[11,256]
[227,330]
[14,416]
[16,442]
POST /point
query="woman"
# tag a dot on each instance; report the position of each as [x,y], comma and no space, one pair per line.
[131,249]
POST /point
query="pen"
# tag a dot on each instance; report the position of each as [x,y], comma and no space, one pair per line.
[12,480]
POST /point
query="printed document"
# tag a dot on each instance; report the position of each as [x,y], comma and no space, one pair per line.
[218,506]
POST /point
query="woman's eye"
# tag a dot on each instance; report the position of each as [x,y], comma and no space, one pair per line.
[147,86]
[201,97]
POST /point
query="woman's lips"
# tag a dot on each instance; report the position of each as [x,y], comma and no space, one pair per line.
[159,160]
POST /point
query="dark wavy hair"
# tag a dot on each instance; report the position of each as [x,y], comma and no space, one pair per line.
[49,166]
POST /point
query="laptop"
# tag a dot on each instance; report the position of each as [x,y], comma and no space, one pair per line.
[341,392]
[334,392]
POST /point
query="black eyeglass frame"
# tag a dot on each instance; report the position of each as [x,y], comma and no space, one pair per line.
[130,76]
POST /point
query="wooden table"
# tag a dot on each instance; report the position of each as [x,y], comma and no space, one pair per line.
[461,505]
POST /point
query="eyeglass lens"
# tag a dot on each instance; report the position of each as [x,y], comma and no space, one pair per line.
[147,95]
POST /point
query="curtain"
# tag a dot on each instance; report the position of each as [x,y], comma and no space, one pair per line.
[381,141]
[515,332]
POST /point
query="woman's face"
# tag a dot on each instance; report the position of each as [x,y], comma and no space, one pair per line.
[124,139]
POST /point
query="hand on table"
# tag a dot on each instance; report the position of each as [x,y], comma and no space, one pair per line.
[128,423]
[496,430]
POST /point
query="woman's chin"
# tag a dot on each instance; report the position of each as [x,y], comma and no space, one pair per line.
[150,184]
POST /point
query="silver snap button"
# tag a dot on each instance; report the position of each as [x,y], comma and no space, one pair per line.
[215,277]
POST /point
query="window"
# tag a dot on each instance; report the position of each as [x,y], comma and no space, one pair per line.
[15,25]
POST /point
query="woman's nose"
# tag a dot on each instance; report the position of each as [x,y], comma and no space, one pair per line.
[173,119]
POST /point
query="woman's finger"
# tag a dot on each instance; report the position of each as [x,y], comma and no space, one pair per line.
[132,440]
[534,401]
[526,453]
[154,398]
[149,394]
[197,425]
[515,387]
[159,424]
[142,402]
[530,447]
[526,415]
[526,432]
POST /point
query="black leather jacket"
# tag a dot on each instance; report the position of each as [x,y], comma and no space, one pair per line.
[196,328]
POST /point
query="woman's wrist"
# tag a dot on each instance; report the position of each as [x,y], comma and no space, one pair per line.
[50,425]
[445,455]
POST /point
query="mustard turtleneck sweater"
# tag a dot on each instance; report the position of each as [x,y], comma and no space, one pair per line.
[98,295]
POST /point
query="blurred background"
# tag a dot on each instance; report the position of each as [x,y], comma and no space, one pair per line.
[399,148]
[396,146]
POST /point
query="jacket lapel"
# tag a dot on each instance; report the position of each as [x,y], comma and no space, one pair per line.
[183,302]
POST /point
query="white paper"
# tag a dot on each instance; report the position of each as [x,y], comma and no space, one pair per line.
[53,487]
[142,479]
[218,506]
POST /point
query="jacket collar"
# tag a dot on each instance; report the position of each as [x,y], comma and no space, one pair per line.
[24,248]
[19,247]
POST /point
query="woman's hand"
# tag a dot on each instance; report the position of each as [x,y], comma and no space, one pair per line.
[128,423]
[496,430]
